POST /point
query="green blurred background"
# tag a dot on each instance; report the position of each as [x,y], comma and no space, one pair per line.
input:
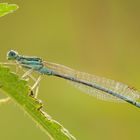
[100,37]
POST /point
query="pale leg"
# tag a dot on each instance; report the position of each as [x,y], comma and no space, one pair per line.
[36,86]
[5,100]
[6,63]
[11,64]
[27,73]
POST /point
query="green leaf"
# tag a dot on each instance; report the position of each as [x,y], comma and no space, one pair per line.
[6,8]
[18,89]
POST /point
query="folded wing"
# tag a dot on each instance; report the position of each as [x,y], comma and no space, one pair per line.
[112,85]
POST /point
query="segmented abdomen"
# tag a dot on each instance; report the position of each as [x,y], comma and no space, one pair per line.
[112,85]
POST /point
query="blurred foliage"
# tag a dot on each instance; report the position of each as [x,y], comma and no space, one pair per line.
[6,8]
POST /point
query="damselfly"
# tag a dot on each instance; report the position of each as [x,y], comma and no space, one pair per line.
[100,87]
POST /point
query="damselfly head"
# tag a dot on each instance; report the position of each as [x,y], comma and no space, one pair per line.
[12,55]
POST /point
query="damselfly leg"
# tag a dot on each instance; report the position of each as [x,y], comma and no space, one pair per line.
[5,100]
[35,87]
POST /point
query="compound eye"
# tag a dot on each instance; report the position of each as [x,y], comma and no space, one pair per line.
[12,53]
